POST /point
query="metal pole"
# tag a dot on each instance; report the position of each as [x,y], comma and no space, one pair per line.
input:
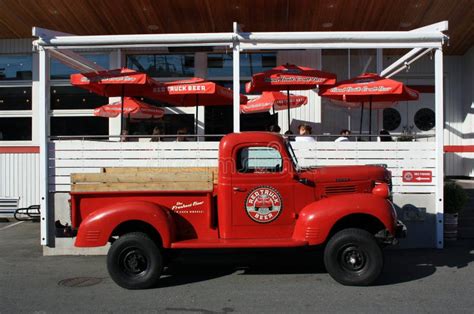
[196,118]
[288,100]
[43,130]
[370,118]
[236,78]
[361,117]
[439,123]
[121,109]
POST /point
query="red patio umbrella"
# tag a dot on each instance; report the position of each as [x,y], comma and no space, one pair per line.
[118,82]
[272,100]
[378,91]
[289,77]
[132,108]
[194,92]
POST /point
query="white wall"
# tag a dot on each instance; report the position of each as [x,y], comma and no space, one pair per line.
[19,177]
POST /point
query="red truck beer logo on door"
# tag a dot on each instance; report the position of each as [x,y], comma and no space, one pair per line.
[417,176]
[263,204]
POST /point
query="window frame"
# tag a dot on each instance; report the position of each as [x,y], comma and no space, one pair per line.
[238,150]
[12,81]
[20,113]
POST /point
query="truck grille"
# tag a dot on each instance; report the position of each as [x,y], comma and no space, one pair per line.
[340,189]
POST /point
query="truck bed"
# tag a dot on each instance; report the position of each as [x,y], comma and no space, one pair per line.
[145,179]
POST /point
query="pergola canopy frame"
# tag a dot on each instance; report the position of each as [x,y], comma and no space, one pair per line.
[421,41]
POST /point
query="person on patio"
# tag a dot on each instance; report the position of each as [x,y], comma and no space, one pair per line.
[182,135]
[384,136]
[305,133]
[124,136]
[156,134]
[275,128]
[343,136]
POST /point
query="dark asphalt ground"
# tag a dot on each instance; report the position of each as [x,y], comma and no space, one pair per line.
[421,281]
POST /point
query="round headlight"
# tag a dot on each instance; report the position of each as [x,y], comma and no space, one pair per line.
[381,189]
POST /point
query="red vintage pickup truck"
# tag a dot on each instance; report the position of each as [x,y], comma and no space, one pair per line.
[258,197]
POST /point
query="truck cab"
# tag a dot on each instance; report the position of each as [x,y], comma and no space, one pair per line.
[261,198]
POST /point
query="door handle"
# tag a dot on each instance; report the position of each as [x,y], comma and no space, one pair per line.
[237,189]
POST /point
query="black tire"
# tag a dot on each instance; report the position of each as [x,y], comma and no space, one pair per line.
[353,257]
[134,261]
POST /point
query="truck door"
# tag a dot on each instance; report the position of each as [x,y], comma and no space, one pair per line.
[262,194]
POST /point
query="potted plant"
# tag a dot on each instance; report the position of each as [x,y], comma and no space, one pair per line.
[454,200]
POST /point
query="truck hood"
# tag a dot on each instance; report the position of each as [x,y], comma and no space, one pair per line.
[346,174]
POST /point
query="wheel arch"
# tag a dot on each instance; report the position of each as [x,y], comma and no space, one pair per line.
[362,221]
[138,226]
[319,220]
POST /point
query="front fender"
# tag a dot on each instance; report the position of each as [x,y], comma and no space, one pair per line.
[316,219]
[96,229]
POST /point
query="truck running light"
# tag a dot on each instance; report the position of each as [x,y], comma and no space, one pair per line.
[381,189]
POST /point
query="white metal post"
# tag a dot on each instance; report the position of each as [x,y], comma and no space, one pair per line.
[236,78]
[201,71]
[439,122]
[43,132]
[379,69]
[114,123]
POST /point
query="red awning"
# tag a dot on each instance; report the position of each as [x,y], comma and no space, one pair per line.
[289,77]
[269,100]
[369,87]
[118,82]
[132,108]
[194,92]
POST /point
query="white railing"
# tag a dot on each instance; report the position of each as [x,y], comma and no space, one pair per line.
[66,157]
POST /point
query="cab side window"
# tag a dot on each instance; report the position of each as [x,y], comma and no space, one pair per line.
[259,160]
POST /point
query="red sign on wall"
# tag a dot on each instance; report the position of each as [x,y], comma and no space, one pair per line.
[417,176]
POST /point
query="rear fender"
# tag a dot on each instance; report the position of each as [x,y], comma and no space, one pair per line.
[316,219]
[96,229]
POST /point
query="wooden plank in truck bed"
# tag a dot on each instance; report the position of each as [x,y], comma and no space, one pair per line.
[153,186]
[123,170]
[130,179]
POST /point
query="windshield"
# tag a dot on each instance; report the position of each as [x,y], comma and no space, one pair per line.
[292,155]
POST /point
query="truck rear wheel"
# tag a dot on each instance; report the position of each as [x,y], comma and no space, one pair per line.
[134,261]
[353,257]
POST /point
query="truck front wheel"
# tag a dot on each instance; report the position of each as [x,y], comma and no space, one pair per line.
[134,261]
[353,257]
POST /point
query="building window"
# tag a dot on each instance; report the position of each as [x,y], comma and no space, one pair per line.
[67,126]
[60,71]
[425,119]
[220,65]
[391,119]
[15,98]
[163,65]
[15,129]
[15,67]
[68,97]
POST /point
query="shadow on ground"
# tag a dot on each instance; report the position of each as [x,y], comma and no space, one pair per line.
[400,265]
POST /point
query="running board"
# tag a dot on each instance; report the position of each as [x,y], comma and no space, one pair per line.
[237,243]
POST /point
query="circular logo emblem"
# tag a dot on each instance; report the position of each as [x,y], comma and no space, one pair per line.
[408,176]
[263,204]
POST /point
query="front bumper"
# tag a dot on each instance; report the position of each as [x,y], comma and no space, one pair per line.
[387,238]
